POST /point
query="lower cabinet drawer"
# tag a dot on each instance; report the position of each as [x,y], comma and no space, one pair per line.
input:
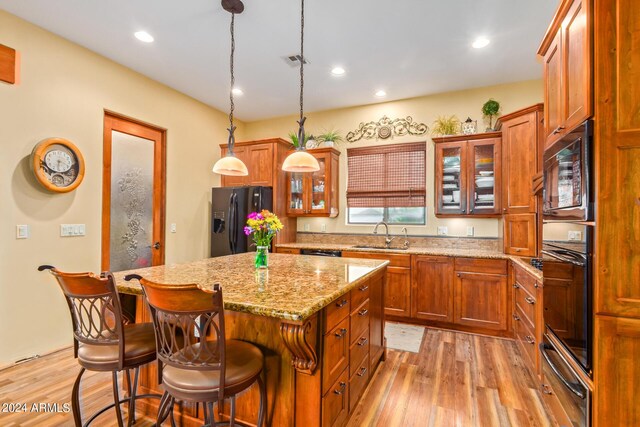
[359,349]
[335,403]
[359,320]
[359,295]
[526,339]
[527,304]
[358,382]
[336,353]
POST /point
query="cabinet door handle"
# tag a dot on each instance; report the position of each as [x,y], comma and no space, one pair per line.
[363,371]
[546,389]
[363,341]
[364,288]
[363,312]
[536,285]
[458,274]
[558,130]
[464,210]
[342,303]
[529,339]
[504,210]
[516,317]
[343,387]
[517,249]
[516,286]
[530,300]
[342,333]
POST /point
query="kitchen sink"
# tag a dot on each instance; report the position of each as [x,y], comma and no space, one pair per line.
[379,247]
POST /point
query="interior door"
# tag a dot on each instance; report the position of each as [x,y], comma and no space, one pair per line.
[133,194]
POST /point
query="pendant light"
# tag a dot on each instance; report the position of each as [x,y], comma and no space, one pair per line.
[300,160]
[230,164]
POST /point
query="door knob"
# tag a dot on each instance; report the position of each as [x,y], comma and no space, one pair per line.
[156,245]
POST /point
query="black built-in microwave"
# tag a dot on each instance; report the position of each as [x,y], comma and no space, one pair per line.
[567,167]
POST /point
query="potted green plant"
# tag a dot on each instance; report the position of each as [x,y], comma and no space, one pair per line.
[490,109]
[330,138]
[294,139]
[445,125]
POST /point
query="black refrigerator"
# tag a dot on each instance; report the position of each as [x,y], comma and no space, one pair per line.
[229,209]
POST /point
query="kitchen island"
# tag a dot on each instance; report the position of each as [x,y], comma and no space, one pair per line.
[319,322]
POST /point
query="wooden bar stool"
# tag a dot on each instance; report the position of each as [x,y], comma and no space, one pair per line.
[200,365]
[102,338]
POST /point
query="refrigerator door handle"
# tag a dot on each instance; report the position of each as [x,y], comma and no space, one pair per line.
[235,223]
[231,222]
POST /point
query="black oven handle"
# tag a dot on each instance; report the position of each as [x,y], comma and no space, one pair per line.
[563,258]
[575,390]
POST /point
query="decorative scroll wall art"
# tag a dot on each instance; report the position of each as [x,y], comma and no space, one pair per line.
[386,128]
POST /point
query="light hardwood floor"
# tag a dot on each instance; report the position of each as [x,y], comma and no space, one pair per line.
[457,379]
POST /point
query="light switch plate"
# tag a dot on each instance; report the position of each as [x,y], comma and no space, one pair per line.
[323,227]
[443,230]
[307,227]
[72,230]
[575,235]
[470,231]
[22,231]
[173,227]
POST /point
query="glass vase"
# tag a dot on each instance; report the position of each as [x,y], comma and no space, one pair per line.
[262,257]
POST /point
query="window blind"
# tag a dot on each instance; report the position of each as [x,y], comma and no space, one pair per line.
[387,176]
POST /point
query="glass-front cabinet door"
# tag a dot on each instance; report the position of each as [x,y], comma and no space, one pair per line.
[320,188]
[484,176]
[295,191]
[315,193]
[450,178]
[468,175]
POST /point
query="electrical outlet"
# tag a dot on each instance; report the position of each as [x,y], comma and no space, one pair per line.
[443,231]
[470,231]
[323,227]
[575,235]
[22,231]
[307,227]
[173,227]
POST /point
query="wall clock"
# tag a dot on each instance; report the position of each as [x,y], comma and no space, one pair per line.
[57,164]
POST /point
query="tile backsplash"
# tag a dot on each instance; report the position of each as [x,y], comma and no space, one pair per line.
[490,244]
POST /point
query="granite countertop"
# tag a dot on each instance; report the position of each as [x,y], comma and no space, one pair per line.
[293,287]
[417,250]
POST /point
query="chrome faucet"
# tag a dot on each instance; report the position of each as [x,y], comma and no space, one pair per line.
[406,237]
[387,239]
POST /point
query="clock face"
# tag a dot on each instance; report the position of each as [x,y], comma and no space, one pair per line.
[58,164]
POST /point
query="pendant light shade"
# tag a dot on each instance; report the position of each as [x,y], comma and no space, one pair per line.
[230,164]
[300,160]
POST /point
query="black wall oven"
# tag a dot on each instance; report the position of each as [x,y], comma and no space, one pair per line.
[567,167]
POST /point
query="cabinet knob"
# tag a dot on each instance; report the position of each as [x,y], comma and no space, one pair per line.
[504,210]
[546,389]
[343,387]
[464,210]
[342,333]
[362,371]
[363,341]
[530,300]
[529,339]
[364,288]
[516,286]
[515,317]
[342,303]
[458,274]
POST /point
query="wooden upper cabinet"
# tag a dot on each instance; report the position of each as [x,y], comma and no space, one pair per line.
[260,158]
[520,153]
[567,56]
[468,175]
[315,194]
[520,234]
[432,288]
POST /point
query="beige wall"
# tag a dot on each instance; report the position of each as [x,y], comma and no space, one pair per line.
[63,91]
[423,109]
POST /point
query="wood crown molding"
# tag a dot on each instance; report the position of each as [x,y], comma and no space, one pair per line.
[555,24]
[259,141]
[523,111]
[471,137]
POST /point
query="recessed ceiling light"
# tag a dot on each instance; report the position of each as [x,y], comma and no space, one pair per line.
[143,36]
[338,71]
[237,91]
[480,42]
[381,93]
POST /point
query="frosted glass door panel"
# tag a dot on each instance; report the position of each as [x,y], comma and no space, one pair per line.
[131,236]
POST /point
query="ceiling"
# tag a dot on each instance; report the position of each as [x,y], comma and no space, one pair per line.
[406,47]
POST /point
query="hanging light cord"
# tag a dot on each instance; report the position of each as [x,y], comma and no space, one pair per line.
[302,118]
[232,128]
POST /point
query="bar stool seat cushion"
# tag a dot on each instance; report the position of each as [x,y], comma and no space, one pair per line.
[139,348]
[243,365]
